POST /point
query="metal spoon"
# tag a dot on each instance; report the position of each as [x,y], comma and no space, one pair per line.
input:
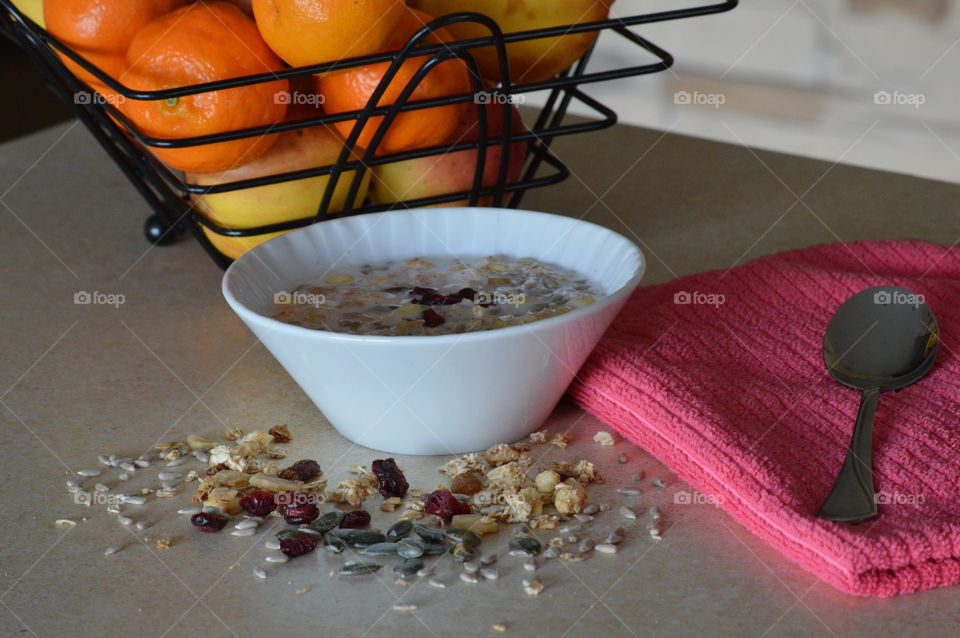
[882,338]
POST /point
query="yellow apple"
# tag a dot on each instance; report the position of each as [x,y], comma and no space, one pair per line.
[33,9]
[294,150]
[453,172]
[530,60]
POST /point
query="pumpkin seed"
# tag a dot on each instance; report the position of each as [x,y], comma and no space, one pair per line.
[431,534]
[526,544]
[359,569]
[408,567]
[326,522]
[399,530]
[434,549]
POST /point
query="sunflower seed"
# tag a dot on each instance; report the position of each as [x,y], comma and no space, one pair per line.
[249,531]
[380,549]
[604,507]
[190,511]
[586,545]
[399,530]
[123,476]
[133,500]
[404,608]
[327,522]
[245,523]
[471,566]
[169,485]
[530,565]
[489,573]
[359,569]
[550,552]
[659,483]
[113,508]
[654,513]
[628,491]
[570,528]
[518,553]
[277,558]
[426,571]
[144,524]
[622,459]
[127,466]
[408,567]
[141,462]
[467,577]
[104,460]
[655,533]
[272,544]
[73,483]
[583,518]
[571,538]
[488,559]
[210,509]
[169,476]
[434,549]
[410,548]
[626,512]
[606,548]
[526,544]
[100,487]
[499,628]
[177,461]
[111,550]
[87,473]
[202,456]
[591,509]
[439,584]
[431,534]
[260,573]
[613,539]
[532,587]
[125,520]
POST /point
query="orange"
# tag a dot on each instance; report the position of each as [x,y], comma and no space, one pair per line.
[305,32]
[101,30]
[204,42]
[351,90]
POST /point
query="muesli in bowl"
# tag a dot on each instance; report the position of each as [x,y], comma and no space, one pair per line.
[424,392]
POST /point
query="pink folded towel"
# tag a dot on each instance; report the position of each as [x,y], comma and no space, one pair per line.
[720,376]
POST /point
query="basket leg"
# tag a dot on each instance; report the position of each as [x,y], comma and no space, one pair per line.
[160,232]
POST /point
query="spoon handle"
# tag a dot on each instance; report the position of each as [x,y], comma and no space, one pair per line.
[852,498]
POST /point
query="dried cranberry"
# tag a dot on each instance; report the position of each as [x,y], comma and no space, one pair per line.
[209,522]
[392,480]
[467,293]
[258,503]
[432,297]
[301,471]
[298,508]
[432,318]
[298,545]
[445,505]
[356,519]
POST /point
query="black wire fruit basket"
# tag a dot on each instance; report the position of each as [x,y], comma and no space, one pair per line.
[173,200]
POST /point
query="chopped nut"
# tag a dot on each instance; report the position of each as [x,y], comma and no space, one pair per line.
[560,440]
[163,544]
[232,434]
[355,491]
[585,472]
[546,481]
[502,453]
[569,497]
[280,434]
[510,474]
[532,587]
[544,521]
[224,478]
[604,438]
[523,504]
[538,438]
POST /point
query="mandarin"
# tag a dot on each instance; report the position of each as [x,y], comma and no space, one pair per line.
[204,42]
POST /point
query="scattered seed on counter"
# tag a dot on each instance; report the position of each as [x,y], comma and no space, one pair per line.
[654,513]
[277,558]
[583,518]
[177,461]
[530,565]
[127,466]
[404,608]
[604,507]
[606,548]
[628,513]
[133,500]
[655,533]
[628,491]
[489,573]
[359,569]
[247,523]
[111,550]
[260,573]
[125,520]
[550,552]
[471,566]
[144,524]
[65,522]
[591,509]
[88,473]
[499,628]
[169,476]
[123,476]
[622,459]
[141,463]
[105,460]
[467,577]
[533,586]
[659,483]
[189,511]
[605,439]
[586,546]
[488,559]
[100,487]
[436,583]
[248,531]
[273,544]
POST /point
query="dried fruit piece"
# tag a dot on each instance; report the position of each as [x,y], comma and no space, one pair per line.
[258,503]
[209,522]
[432,318]
[298,545]
[305,470]
[444,504]
[280,434]
[298,508]
[466,483]
[392,481]
[356,519]
[546,481]
[569,497]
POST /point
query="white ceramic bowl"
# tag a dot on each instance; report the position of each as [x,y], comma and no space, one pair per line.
[435,394]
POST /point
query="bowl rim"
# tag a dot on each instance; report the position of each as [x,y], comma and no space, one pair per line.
[248,314]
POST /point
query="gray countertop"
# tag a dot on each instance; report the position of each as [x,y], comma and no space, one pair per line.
[83,380]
